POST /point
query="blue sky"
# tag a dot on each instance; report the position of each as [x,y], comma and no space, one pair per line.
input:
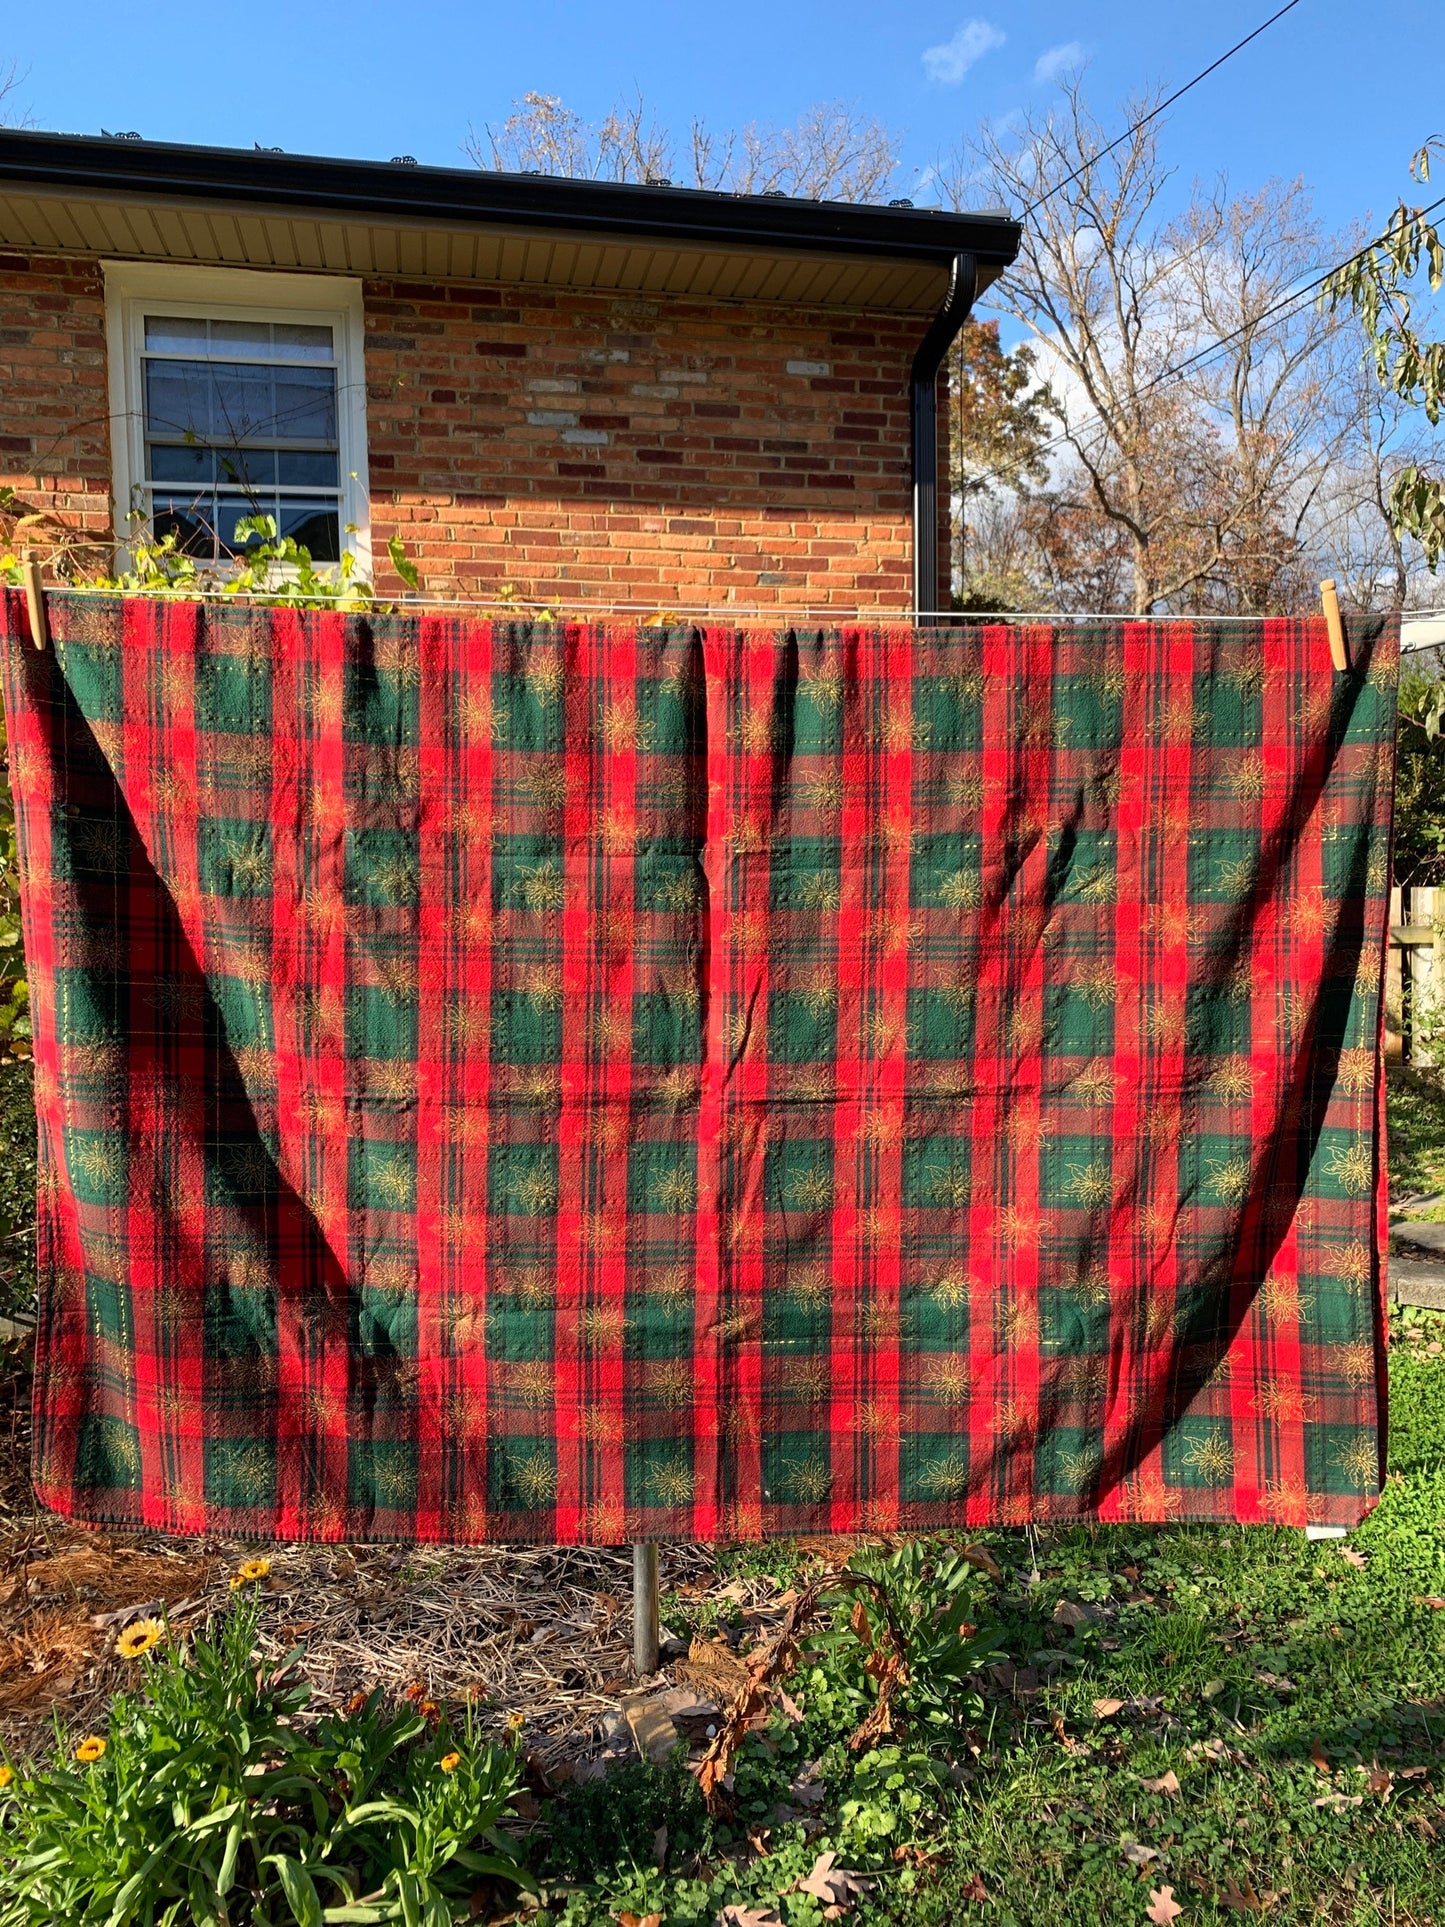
[1330,92]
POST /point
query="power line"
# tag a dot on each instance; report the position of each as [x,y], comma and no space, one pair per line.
[1154,112]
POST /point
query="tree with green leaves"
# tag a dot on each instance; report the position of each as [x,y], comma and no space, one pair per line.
[1383,285]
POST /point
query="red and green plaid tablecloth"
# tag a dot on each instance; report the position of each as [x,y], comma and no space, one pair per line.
[509,1081]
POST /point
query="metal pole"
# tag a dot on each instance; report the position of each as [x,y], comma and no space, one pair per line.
[644,1608]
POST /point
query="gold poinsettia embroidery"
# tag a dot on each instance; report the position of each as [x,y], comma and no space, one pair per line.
[544,782]
[1352,1166]
[806,1481]
[671,1484]
[541,887]
[1232,1081]
[1095,1084]
[963,790]
[1091,1185]
[534,1478]
[945,1478]
[1246,779]
[806,1379]
[1360,1462]
[1212,1457]
[947,1378]
[823,793]
[668,1382]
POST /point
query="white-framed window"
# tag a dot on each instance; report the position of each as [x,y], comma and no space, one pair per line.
[237,392]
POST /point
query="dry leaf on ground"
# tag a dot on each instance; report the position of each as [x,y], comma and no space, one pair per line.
[1105,1709]
[1353,1556]
[1244,1900]
[835,1886]
[1137,1855]
[1166,1783]
[1163,1908]
[983,1559]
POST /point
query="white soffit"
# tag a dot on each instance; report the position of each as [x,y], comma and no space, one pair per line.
[131,228]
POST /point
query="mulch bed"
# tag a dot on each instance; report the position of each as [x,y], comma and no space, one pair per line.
[541,1631]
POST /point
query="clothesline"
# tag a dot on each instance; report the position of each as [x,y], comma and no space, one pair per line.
[413,605]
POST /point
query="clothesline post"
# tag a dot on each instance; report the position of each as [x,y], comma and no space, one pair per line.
[645,1624]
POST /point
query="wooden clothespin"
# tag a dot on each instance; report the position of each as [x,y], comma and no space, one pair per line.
[1339,654]
[35,600]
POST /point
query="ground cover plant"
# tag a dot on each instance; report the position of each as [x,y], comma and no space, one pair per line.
[1186,1723]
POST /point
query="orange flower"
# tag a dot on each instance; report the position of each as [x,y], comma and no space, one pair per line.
[449,1762]
[7,1774]
[139,1637]
[90,1750]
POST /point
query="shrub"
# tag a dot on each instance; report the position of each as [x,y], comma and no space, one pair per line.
[212,1801]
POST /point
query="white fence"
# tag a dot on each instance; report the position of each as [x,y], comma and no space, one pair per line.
[1414,977]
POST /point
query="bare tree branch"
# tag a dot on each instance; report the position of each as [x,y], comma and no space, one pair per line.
[833,153]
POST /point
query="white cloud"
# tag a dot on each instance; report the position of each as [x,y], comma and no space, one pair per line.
[1055,62]
[950,61]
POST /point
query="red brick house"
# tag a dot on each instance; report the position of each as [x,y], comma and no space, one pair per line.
[594,393]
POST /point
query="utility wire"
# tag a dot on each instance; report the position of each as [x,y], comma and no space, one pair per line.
[1154,112]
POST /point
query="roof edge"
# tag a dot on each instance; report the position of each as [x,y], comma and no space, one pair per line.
[475,196]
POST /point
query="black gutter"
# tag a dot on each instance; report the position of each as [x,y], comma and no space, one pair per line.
[923,395]
[84,164]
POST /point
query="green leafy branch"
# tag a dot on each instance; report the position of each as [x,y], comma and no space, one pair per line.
[1378,283]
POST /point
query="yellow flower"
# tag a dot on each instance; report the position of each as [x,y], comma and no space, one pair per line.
[516,1722]
[139,1637]
[449,1762]
[251,1572]
[89,1751]
[7,1774]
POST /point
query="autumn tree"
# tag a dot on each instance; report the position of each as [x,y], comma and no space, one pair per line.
[999,428]
[1204,463]
[833,152]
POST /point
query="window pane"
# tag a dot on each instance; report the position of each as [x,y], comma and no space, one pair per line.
[246,467]
[189,518]
[186,464]
[315,525]
[306,404]
[172,334]
[178,399]
[304,468]
[303,343]
[243,403]
[248,338]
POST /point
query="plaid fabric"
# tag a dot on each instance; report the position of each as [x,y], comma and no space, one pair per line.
[512,1082]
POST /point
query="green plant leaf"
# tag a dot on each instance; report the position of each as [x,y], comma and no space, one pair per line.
[401,562]
[299,1888]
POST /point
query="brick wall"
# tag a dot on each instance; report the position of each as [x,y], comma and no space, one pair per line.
[650,451]
[580,447]
[54,404]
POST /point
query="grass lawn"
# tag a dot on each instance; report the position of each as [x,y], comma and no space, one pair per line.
[1248,1719]
[1415,1103]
